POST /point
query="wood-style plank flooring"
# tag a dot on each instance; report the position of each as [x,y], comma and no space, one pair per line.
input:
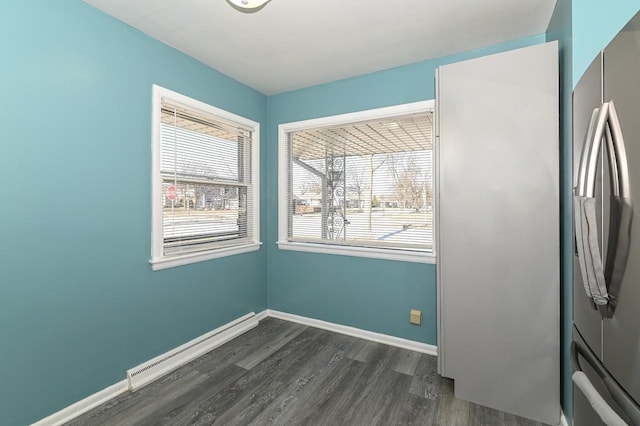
[282,373]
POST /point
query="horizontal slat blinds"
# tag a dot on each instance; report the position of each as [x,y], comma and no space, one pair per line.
[205,164]
[363,184]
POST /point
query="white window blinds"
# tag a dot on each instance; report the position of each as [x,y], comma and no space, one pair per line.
[368,183]
[205,167]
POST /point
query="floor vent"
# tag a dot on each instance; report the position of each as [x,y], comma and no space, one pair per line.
[157,367]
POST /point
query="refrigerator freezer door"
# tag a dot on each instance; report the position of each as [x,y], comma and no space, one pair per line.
[605,399]
[621,334]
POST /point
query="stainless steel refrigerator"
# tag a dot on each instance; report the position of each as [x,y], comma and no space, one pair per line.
[606,293]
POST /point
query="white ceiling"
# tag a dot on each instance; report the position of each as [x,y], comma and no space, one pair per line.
[291,44]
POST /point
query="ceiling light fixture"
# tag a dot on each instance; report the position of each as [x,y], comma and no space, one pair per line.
[248,5]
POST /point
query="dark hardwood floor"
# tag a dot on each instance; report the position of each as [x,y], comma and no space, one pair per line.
[281,373]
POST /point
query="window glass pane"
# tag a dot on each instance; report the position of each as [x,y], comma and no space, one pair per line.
[197,153]
[365,184]
[199,216]
[205,168]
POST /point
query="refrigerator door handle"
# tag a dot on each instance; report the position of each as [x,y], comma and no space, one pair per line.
[582,167]
[585,221]
[629,407]
[604,123]
[591,152]
[619,152]
[603,285]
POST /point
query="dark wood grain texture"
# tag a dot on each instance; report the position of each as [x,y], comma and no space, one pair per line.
[281,373]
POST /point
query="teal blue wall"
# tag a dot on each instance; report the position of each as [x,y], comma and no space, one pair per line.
[370,294]
[560,30]
[79,303]
[595,23]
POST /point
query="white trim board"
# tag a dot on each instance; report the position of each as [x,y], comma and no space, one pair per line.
[262,315]
[374,253]
[563,419]
[92,401]
[357,332]
[175,358]
[157,367]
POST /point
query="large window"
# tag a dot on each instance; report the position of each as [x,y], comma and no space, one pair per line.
[359,184]
[205,181]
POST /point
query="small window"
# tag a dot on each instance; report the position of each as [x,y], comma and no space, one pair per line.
[205,181]
[359,184]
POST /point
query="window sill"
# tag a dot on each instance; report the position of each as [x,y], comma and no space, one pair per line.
[375,253]
[173,261]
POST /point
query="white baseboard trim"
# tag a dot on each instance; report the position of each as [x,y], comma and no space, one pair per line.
[92,401]
[356,332]
[262,315]
[563,419]
[157,367]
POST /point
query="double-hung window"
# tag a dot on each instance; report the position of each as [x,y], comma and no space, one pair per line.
[359,184]
[205,181]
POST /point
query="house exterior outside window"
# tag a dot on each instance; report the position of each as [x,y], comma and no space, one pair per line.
[360,184]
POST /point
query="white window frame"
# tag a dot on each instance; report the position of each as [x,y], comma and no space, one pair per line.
[327,248]
[158,260]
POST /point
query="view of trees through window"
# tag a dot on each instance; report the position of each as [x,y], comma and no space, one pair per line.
[367,184]
[204,183]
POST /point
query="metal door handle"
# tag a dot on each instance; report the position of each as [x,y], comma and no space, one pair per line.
[604,123]
[591,151]
[603,286]
[582,168]
[589,257]
[620,153]
[629,407]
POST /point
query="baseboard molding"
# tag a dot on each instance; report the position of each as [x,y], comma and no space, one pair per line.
[92,401]
[262,315]
[157,367]
[563,419]
[356,332]
[161,365]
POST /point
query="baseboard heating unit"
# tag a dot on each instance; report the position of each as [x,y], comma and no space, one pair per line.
[157,367]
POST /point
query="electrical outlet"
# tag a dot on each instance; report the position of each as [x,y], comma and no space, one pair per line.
[415,317]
